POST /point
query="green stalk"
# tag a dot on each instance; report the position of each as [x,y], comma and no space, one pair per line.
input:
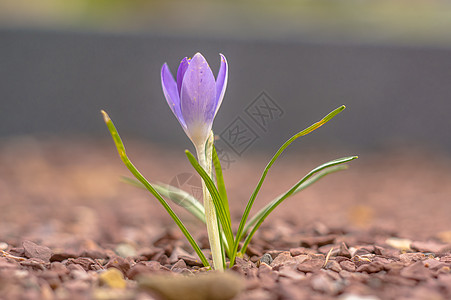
[211,220]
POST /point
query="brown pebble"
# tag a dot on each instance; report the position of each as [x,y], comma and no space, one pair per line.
[212,285]
[17,252]
[31,250]
[34,264]
[176,253]
[119,263]
[291,273]
[360,260]
[59,268]
[344,251]
[146,267]
[334,266]
[416,271]
[372,267]
[325,284]
[85,262]
[310,265]
[61,256]
[179,266]
[191,260]
[348,265]
[433,264]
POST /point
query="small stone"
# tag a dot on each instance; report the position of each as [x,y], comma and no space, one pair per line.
[119,263]
[360,260]
[146,267]
[433,264]
[364,250]
[267,276]
[85,262]
[113,278]
[253,250]
[191,260]
[264,269]
[209,285]
[411,257]
[17,252]
[310,265]
[416,271]
[31,250]
[325,284]
[348,265]
[266,258]
[429,246]
[344,251]
[34,263]
[176,254]
[372,267]
[179,266]
[282,259]
[60,256]
[334,266]
[289,272]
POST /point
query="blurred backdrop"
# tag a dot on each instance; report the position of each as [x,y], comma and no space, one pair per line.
[389,62]
[290,63]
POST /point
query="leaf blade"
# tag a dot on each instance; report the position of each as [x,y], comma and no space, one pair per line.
[122,153]
[250,203]
[280,199]
[303,186]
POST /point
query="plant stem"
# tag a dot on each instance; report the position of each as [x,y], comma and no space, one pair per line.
[210,212]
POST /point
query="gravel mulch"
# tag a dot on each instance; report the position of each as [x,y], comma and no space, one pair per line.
[69,229]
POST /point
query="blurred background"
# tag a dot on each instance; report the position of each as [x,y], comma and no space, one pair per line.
[388,61]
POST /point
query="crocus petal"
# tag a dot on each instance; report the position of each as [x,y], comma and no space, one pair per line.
[198,99]
[171,94]
[181,72]
[221,82]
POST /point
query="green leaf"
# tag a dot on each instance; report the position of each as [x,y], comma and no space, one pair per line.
[290,192]
[306,131]
[219,206]
[121,149]
[176,195]
[183,199]
[303,186]
[220,182]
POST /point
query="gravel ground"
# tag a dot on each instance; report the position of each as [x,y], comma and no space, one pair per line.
[70,229]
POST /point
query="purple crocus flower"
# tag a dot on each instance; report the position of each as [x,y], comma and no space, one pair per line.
[195,97]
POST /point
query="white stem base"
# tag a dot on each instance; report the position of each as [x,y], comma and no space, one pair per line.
[210,215]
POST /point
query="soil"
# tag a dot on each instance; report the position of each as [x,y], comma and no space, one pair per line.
[70,229]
